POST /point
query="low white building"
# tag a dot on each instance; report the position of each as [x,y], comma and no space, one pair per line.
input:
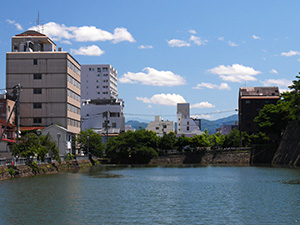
[185,124]
[161,127]
[103,116]
[62,137]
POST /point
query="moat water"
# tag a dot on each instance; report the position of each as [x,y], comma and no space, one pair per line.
[155,195]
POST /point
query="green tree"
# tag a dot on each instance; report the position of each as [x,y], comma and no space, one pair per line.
[90,142]
[133,147]
[49,146]
[200,140]
[182,142]
[32,145]
[217,140]
[167,142]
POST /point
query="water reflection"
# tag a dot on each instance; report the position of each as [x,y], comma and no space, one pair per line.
[155,195]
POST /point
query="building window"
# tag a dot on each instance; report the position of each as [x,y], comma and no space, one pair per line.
[164,126]
[37,120]
[37,105]
[247,101]
[113,125]
[187,123]
[98,92]
[37,91]
[98,69]
[98,75]
[37,76]
[187,128]
[157,128]
[35,61]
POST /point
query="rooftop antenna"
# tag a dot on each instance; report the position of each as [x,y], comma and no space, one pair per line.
[39,27]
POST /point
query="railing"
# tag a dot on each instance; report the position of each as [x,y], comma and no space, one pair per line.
[24,161]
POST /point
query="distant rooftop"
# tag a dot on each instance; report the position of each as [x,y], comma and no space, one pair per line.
[31,33]
[259,91]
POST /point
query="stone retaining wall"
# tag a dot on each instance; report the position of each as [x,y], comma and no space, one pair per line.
[235,158]
[11,171]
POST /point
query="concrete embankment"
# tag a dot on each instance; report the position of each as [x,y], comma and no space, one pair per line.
[204,157]
[12,171]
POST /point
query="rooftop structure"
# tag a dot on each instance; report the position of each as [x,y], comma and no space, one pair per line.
[161,127]
[50,81]
[251,101]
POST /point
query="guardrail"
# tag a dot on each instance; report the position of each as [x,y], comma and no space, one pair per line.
[24,161]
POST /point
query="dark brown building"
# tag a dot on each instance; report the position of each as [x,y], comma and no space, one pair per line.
[251,101]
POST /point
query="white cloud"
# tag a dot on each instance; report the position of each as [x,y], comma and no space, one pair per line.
[145,47]
[235,73]
[144,99]
[203,116]
[223,86]
[203,105]
[277,82]
[282,90]
[149,106]
[290,53]
[221,38]
[256,37]
[121,34]
[153,77]
[18,26]
[89,51]
[198,40]
[233,44]
[192,32]
[85,33]
[273,71]
[178,43]
[66,42]
[163,99]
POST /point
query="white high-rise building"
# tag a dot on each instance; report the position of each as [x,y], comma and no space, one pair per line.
[101,110]
[99,82]
[185,124]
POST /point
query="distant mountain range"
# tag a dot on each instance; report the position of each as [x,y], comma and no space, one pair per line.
[210,125]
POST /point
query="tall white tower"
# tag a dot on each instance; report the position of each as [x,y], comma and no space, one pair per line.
[102,110]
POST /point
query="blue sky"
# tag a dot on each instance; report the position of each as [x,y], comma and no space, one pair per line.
[168,51]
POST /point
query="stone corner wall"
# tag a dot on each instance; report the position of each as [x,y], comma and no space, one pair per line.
[288,152]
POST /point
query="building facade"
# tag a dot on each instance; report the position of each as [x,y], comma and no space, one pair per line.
[251,101]
[6,108]
[185,124]
[50,82]
[102,110]
[161,127]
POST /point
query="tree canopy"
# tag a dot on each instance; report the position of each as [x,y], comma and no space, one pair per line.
[272,119]
[90,142]
[31,145]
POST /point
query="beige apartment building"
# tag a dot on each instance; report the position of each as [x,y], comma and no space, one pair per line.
[50,82]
